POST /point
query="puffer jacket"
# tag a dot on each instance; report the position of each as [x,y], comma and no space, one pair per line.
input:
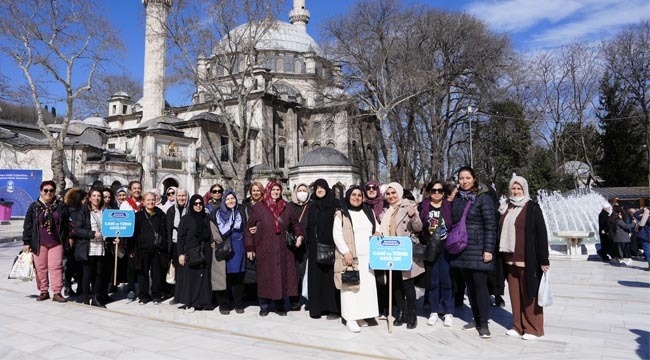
[481,232]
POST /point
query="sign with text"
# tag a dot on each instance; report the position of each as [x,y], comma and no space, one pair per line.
[391,253]
[118,223]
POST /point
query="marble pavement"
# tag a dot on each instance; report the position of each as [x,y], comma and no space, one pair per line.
[600,311]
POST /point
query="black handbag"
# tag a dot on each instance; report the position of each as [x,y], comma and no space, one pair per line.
[250,276]
[350,276]
[434,247]
[194,256]
[290,239]
[81,250]
[325,254]
[223,249]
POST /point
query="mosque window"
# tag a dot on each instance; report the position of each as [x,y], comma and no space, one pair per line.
[224,148]
[124,109]
[289,64]
[281,155]
[114,110]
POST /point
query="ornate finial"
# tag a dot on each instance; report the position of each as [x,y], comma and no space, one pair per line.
[164,2]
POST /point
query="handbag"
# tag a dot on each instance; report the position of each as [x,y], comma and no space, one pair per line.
[457,238]
[81,250]
[23,267]
[223,249]
[433,247]
[171,274]
[544,294]
[350,276]
[290,238]
[194,256]
[250,276]
[325,253]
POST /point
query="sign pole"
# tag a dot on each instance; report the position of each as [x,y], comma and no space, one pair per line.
[390,299]
[115,266]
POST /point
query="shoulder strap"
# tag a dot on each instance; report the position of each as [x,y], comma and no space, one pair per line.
[469,204]
[303,212]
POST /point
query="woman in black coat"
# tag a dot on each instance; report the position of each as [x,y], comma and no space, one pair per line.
[193,288]
[150,244]
[524,249]
[477,259]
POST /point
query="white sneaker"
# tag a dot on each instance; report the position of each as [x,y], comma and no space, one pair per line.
[530,337]
[189,310]
[448,320]
[513,333]
[433,319]
[353,326]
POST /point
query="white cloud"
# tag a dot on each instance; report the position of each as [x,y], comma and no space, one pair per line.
[518,15]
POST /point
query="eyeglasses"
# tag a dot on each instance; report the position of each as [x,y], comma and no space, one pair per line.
[49,191]
[439,191]
[371,187]
[218,191]
[170,193]
[198,203]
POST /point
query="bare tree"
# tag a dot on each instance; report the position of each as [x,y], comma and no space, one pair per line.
[231,71]
[93,101]
[54,44]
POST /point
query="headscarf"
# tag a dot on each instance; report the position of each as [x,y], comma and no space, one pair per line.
[228,219]
[275,206]
[198,216]
[398,188]
[377,203]
[321,215]
[348,193]
[124,190]
[346,207]
[294,195]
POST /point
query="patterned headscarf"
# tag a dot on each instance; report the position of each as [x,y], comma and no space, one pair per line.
[227,218]
[276,206]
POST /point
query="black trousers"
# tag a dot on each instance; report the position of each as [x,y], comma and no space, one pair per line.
[93,276]
[154,264]
[479,296]
[605,247]
[403,293]
[233,296]
[382,290]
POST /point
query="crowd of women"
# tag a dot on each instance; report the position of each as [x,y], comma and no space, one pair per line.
[204,252]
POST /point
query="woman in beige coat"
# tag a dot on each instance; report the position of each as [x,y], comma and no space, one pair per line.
[401,219]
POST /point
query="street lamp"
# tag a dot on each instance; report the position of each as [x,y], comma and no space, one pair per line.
[471,110]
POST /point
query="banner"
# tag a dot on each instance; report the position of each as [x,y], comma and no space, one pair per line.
[20,187]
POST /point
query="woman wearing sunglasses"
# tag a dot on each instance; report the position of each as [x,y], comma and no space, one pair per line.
[45,232]
[214,198]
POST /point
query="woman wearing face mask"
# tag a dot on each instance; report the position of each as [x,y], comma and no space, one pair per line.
[324,298]
[477,259]
[300,204]
[276,271]
[524,249]
[401,219]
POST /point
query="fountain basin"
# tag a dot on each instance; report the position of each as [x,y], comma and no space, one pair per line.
[574,239]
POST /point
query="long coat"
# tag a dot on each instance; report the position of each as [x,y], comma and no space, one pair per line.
[276,270]
[481,232]
[406,226]
[194,284]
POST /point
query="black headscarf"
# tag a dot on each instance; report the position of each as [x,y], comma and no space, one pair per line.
[198,216]
[322,214]
[347,207]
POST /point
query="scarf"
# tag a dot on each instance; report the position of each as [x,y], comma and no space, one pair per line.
[275,206]
[198,217]
[321,214]
[508,232]
[377,203]
[48,216]
[228,219]
[180,211]
[467,195]
[346,207]
[134,205]
[120,190]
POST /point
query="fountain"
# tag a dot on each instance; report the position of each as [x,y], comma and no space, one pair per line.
[571,220]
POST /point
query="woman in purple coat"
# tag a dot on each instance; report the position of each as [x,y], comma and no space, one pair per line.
[276,271]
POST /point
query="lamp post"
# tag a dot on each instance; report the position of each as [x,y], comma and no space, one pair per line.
[471,110]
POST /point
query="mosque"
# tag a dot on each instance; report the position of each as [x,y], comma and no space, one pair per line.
[296,133]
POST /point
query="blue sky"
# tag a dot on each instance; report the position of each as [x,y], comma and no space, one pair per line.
[532,25]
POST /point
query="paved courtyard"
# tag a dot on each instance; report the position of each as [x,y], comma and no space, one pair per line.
[600,311]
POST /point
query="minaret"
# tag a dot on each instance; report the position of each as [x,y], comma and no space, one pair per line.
[153,99]
[299,16]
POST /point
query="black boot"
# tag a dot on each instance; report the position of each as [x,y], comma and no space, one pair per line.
[399,318]
[95,302]
[411,320]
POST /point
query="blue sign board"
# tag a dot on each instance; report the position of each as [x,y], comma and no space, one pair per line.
[118,223]
[391,253]
[20,187]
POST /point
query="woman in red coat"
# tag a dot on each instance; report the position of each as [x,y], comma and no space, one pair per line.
[276,271]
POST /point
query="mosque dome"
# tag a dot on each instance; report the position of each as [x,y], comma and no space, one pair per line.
[325,156]
[282,36]
[96,121]
[120,94]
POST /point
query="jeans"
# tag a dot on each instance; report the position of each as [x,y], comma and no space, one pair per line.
[440,294]
[645,244]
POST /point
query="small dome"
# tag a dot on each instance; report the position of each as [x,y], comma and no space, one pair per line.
[282,36]
[120,94]
[96,122]
[325,156]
